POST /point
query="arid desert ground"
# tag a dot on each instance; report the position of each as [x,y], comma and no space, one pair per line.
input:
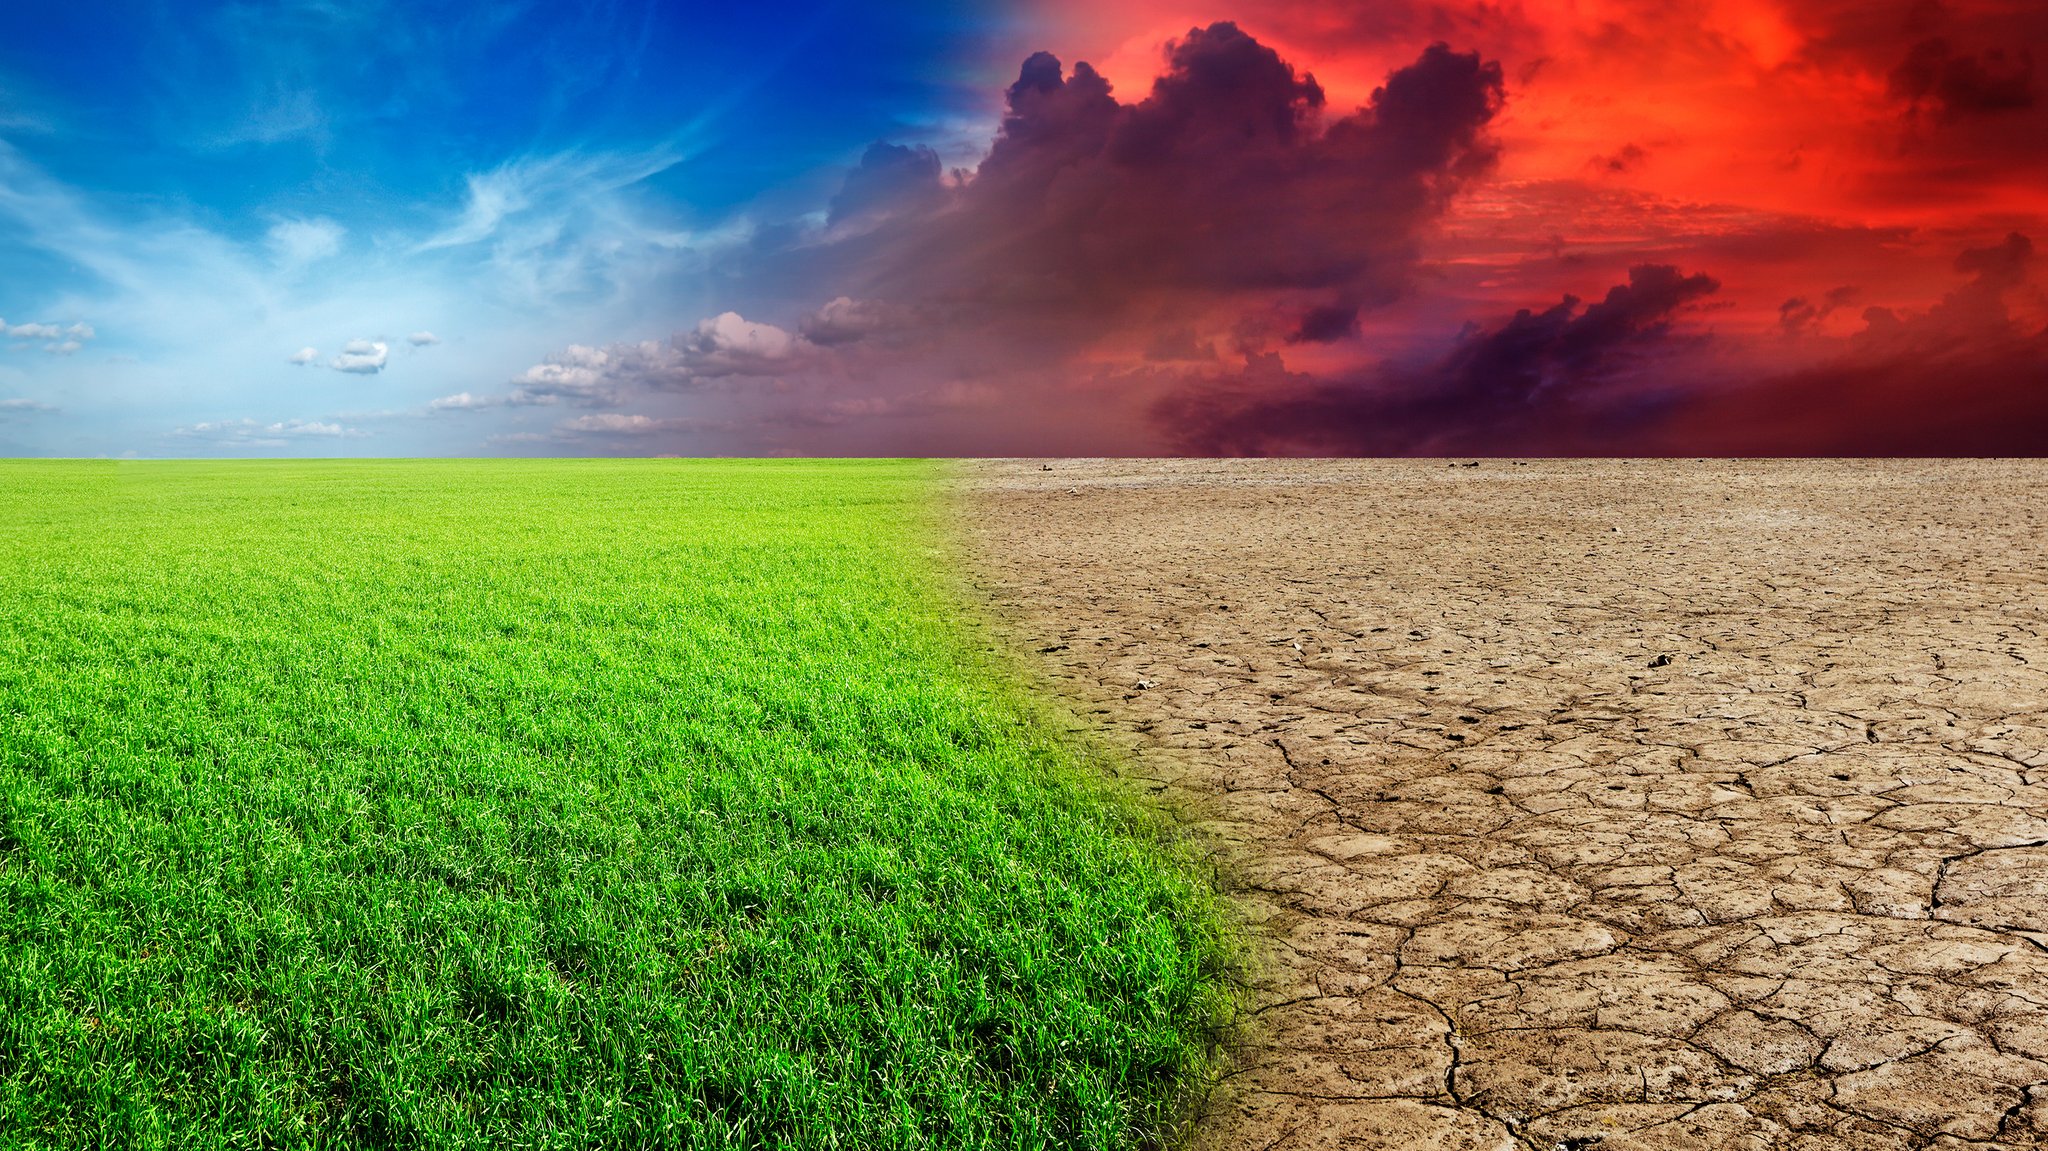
[1621,804]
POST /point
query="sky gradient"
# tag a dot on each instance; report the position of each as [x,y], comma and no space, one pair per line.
[1607,227]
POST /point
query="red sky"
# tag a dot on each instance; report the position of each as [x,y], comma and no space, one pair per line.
[1788,143]
[1617,227]
[1837,153]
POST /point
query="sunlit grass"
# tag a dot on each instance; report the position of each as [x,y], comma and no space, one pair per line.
[557,804]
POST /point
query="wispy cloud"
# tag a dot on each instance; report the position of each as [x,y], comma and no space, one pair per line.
[567,223]
[243,433]
[297,243]
[279,114]
[290,287]
[620,424]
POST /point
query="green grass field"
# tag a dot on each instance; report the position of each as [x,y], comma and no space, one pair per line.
[553,804]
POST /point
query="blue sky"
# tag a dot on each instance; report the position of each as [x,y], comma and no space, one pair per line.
[431,197]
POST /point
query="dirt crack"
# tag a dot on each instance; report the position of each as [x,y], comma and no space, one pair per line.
[1525,887]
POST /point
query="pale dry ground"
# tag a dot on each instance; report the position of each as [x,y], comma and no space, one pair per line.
[1630,805]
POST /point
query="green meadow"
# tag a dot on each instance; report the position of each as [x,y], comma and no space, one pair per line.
[555,804]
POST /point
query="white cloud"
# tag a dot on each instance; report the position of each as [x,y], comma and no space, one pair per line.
[361,357]
[728,344]
[304,356]
[620,424]
[543,183]
[24,407]
[297,243]
[570,225]
[423,339]
[133,268]
[847,320]
[492,197]
[463,401]
[283,114]
[56,339]
[256,433]
[724,346]
[581,375]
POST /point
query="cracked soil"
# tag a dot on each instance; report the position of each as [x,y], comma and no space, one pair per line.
[1625,805]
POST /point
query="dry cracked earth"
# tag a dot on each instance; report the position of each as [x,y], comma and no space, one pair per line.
[1582,804]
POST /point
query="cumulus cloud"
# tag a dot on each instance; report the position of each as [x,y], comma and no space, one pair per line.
[1229,177]
[724,347]
[361,357]
[891,178]
[846,321]
[303,356]
[423,339]
[730,345]
[580,375]
[463,402]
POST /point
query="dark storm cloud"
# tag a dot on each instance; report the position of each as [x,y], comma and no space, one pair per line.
[1325,325]
[1226,202]
[1965,377]
[891,177]
[1542,380]
[1226,178]
[1974,314]
[1956,85]
[1997,268]
[1800,316]
[1178,344]
[1628,158]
